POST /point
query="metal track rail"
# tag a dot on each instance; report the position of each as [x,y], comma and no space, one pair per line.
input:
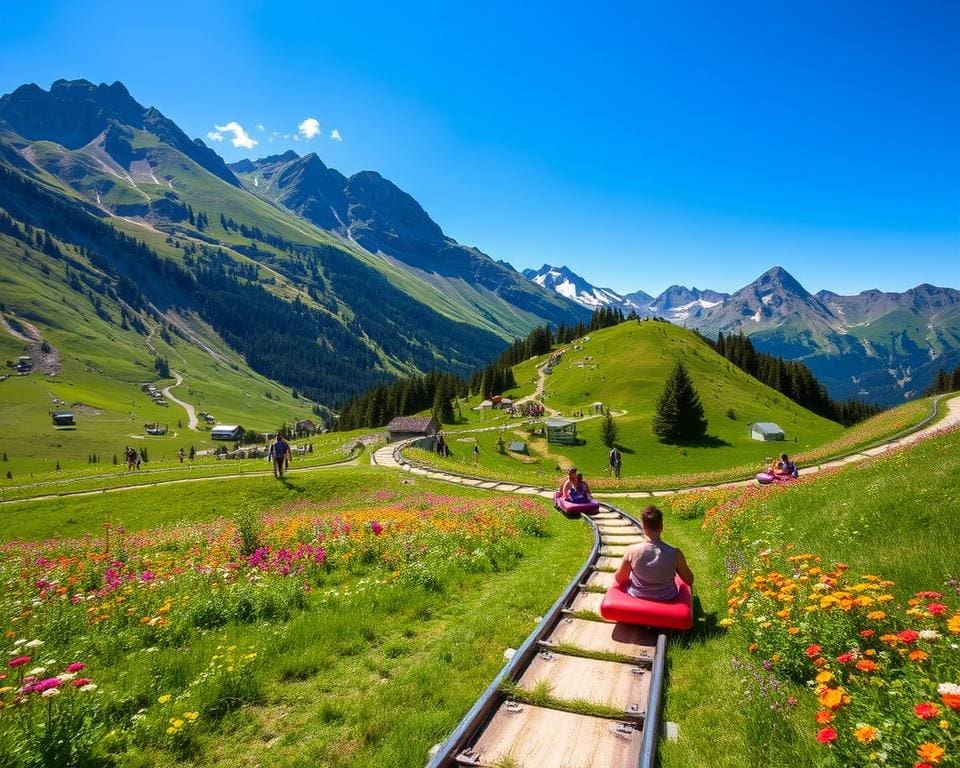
[580,690]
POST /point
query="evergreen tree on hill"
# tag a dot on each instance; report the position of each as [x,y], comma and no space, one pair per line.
[609,432]
[679,413]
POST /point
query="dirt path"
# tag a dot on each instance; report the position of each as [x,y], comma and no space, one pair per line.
[538,393]
[191,411]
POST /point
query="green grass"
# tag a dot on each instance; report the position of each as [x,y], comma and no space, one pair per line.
[327,449]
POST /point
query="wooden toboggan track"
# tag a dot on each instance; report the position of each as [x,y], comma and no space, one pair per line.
[586,664]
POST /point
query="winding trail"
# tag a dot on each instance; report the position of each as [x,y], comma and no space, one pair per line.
[191,411]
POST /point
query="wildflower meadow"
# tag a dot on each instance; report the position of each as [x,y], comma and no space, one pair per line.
[842,589]
[121,642]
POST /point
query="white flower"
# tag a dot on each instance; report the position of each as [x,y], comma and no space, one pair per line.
[929,634]
[50,692]
[19,642]
[34,643]
[88,687]
[66,676]
[951,688]
[37,671]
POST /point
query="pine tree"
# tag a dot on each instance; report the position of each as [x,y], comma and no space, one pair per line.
[679,414]
[609,432]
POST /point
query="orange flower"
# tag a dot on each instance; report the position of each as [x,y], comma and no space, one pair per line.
[951,700]
[931,753]
[953,624]
[831,698]
[917,656]
[876,615]
[823,717]
[865,734]
[866,665]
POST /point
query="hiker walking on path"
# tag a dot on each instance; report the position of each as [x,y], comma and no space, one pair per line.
[280,453]
[616,459]
[181,455]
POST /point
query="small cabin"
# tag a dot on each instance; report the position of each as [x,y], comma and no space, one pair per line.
[486,405]
[63,419]
[226,432]
[305,427]
[406,427]
[561,431]
[766,431]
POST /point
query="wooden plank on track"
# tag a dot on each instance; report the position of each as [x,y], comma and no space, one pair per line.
[620,541]
[535,737]
[609,562]
[609,683]
[614,552]
[625,639]
[587,601]
[600,579]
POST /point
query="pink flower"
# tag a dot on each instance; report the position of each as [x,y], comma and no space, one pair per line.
[76,666]
[19,661]
[376,528]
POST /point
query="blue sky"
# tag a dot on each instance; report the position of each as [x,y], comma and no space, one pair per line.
[639,144]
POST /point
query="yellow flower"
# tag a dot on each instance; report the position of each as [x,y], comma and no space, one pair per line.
[824,677]
[876,615]
[165,698]
[191,716]
[725,622]
[953,624]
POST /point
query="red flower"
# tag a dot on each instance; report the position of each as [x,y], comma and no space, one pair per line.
[926,710]
[844,658]
[76,666]
[908,635]
[19,661]
[867,633]
[812,650]
[82,681]
[929,595]
[826,735]
[937,609]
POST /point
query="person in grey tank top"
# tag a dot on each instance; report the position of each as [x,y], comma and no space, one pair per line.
[648,568]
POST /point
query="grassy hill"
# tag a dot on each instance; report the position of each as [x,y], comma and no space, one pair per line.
[624,369]
[99,369]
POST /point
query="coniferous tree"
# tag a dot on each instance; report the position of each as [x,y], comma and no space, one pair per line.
[609,432]
[679,413]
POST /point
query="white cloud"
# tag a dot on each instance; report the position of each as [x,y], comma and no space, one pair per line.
[335,135]
[309,128]
[260,127]
[240,137]
[270,140]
